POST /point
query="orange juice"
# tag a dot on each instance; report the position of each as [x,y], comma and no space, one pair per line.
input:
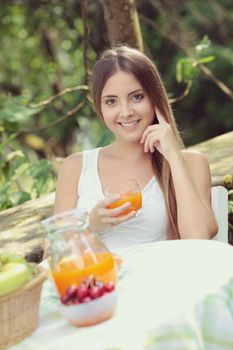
[73,270]
[134,197]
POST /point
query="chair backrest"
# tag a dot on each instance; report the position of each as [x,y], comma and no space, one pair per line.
[219,202]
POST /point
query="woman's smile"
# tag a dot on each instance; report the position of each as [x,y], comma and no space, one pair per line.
[129,125]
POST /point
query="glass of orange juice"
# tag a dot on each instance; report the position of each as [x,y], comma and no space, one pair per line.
[83,270]
[129,191]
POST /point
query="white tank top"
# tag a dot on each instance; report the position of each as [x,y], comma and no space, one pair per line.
[148,226]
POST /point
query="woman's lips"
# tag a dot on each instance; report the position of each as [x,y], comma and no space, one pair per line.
[129,125]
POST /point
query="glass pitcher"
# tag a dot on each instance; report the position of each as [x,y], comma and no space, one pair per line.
[82,268]
[76,254]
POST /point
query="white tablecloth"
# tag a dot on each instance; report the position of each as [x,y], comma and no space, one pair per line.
[172,295]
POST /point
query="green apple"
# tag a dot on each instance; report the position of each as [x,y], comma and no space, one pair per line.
[11,257]
[13,275]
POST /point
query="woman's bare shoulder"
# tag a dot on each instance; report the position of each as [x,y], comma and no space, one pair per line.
[72,164]
[68,178]
[194,158]
[74,159]
[197,164]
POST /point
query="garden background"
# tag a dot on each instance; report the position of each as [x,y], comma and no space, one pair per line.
[48,49]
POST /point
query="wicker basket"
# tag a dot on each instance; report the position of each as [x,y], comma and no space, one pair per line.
[19,311]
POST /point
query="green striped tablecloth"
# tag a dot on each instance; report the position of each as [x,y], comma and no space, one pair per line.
[208,327]
[172,296]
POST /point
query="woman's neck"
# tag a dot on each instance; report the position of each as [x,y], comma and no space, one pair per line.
[128,150]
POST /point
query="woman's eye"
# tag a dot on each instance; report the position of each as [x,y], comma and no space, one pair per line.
[110,101]
[138,97]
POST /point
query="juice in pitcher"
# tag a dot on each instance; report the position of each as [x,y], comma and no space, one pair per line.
[74,270]
[83,270]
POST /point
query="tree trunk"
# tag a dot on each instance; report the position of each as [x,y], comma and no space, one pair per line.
[122,23]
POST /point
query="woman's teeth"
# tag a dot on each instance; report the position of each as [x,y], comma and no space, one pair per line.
[129,125]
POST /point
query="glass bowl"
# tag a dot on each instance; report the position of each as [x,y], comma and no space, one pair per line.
[91,312]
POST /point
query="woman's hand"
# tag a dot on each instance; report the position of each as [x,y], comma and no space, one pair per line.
[161,137]
[102,218]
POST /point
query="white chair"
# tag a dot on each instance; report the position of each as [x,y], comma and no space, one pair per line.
[219,202]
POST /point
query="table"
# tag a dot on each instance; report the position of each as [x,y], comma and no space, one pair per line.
[172,295]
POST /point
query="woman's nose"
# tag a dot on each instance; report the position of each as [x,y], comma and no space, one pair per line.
[126,110]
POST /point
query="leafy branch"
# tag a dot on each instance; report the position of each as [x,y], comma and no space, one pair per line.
[184,94]
[195,62]
[61,93]
[69,114]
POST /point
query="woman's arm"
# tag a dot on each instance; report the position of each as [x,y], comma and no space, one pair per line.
[66,189]
[192,183]
[191,177]
[67,184]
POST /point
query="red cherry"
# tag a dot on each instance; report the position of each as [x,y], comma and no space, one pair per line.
[102,289]
[69,294]
[71,291]
[94,292]
[86,300]
[109,287]
[75,301]
[82,292]
[64,299]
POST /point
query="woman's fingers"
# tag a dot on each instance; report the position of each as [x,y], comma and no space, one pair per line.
[160,117]
[126,217]
[103,217]
[114,220]
[113,213]
[147,131]
[107,201]
[150,142]
[118,210]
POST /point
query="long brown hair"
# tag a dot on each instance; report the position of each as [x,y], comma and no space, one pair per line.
[136,63]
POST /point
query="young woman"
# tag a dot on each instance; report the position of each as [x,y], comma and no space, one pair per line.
[176,184]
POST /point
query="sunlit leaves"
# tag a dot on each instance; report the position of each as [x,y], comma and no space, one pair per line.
[186,68]
[204,44]
[41,171]
[34,141]
[21,179]
[16,198]
[206,59]
[4,198]
[13,111]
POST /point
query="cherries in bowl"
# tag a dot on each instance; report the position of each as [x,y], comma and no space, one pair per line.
[89,303]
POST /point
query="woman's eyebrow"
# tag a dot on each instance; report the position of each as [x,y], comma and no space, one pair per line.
[131,93]
[109,96]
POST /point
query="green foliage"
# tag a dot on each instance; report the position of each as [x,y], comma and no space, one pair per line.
[42,53]
[203,30]
[15,113]
[230,202]
[22,179]
[186,67]
[228,183]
